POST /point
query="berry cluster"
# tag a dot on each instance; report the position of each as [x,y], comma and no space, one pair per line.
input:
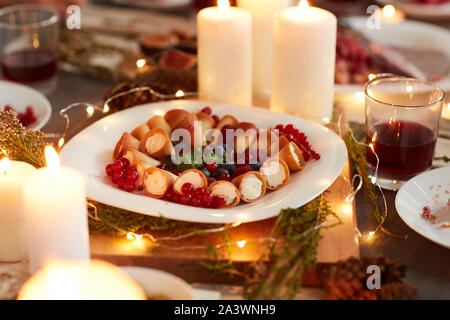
[195,197]
[208,111]
[294,135]
[123,174]
[26,118]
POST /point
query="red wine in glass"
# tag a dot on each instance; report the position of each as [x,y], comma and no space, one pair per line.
[404,148]
[29,65]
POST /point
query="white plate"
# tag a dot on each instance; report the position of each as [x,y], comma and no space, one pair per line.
[421,11]
[20,96]
[156,282]
[91,150]
[407,34]
[426,189]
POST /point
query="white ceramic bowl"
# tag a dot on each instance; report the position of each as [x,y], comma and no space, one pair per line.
[20,97]
[160,283]
[431,189]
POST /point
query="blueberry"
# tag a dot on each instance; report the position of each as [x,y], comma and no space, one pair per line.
[219,171]
[206,172]
[230,167]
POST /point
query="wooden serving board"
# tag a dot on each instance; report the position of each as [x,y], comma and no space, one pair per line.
[338,243]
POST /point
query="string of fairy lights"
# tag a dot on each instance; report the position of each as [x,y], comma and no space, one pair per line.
[90,109]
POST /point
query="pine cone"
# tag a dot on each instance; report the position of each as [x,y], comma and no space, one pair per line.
[397,291]
[347,280]
[161,80]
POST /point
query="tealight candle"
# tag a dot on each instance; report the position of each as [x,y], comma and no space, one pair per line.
[55,213]
[304,49]
[262,17]
[75,280]
[225,54]
[12,242]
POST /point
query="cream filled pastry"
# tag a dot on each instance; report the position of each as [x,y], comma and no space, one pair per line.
[226,190]
[193,176]
[156,182]
[156,143]
[251,185]
[276,173]
[293,157]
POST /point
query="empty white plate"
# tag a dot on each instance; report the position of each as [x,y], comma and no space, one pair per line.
[432,189]
[91,150]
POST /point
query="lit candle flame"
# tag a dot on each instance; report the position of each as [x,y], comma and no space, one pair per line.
[223,4]
[303,4]
[241,243]
[5,164]
[389,11]
[52,160]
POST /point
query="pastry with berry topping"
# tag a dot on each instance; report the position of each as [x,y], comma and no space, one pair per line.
[227,191]
[193,176]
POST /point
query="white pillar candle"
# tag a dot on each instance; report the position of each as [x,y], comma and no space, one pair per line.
[303,62]
[81,280]
[225,54]
[12,241]
[55,213]
[262,22]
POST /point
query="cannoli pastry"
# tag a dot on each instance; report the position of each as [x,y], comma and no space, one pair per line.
[179,118]
[282,142]
[245,134]
[227,120]
[226,190]
[134,155]
[126,141]
[276,172]
[208,122]
[156,182]
[140,131]
[267,144]
[156,143]
[193,176]
[293,157]
[251,185]
[159,122]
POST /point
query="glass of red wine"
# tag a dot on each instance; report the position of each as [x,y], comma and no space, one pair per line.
[28,43]
[402,124]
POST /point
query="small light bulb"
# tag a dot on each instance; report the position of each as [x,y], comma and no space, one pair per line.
[60,142]
[179,94]
[389,11]
[141,63]
[372,76]
[105,108]
[90,111]
[130,236]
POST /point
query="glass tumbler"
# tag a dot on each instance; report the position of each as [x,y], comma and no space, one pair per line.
[402,124]
[28,43]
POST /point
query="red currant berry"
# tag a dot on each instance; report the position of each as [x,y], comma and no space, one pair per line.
[187,188]
[212,167]
[241,170]
[131,175]
[196,201]
[279,127]
[289,128]
[185,198]
[109,170]
[129,186]
[117,176]
[211,181]
[199,191]
[126,162]
[118,165]
[207,199]
[216,118]
[206,110]
[121,184]
[223,176]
